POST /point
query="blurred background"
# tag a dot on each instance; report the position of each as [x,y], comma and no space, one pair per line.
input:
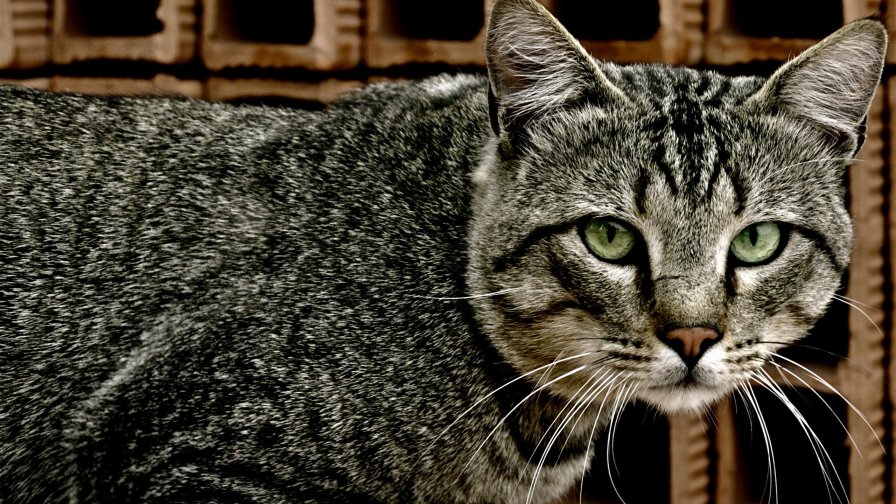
[305,53]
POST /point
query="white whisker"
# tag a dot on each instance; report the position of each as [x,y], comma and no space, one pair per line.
[750,398]
[821,454]
[515,407]
[587,385]
[615,413]
[833,390]
[605,386]
[860,310]
[597,417]
[581,404]
[839,297]
[493,392]
[746,408]
[548,370]
[544,435]
[781,370]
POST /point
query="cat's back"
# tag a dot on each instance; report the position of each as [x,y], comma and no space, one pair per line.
[114,208]
[155,252]
[113,212]
[165,189]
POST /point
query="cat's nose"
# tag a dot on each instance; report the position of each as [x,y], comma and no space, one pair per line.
[690,342]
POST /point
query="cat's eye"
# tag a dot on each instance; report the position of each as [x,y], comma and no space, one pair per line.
[757,243]
[608,239]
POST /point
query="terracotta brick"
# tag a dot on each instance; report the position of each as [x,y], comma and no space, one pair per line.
[891,372]
[740,31]
[314,34]
[730,485]
[160,85]
[222,89]
[689,460]
[409,31]
[36,83]
[669,31]
[133,30]
[375,79]
[400,32]
[863,374]
[24,33]
[890,21]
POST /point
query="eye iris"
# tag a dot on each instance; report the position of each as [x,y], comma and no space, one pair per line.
[608,240]
[757,242]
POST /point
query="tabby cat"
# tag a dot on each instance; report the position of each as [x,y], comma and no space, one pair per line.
[436,291]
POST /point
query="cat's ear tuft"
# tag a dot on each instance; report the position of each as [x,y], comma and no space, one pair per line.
[535,65]
[832,83]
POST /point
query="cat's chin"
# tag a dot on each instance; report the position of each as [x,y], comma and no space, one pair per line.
[691,398]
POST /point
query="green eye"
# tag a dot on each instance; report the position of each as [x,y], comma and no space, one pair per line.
[756,243]
[608,239]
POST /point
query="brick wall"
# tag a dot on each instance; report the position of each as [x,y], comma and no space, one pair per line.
[310,51]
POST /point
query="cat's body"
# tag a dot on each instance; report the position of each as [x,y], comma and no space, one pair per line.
[209,303]
[199,326]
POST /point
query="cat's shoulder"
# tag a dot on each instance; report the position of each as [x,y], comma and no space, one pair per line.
[440,93]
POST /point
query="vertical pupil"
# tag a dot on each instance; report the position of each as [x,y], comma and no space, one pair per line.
[611,233]
[753,234]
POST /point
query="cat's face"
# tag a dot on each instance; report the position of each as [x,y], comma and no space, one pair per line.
[670,228]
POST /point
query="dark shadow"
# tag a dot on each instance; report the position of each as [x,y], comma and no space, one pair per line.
[628,20]
[640,454]
[459,20]
[799,477]
[811,19]
[112,18]
[266,21]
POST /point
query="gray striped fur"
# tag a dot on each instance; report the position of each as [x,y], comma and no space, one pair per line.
[212,303]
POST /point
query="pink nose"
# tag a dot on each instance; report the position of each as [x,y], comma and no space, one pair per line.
[690,342]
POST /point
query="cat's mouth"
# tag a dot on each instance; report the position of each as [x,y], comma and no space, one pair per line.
[678,398]
[688,393]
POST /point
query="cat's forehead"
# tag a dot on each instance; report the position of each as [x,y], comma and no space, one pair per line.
[667,88]
[690,135]
[700,150]
[692,157]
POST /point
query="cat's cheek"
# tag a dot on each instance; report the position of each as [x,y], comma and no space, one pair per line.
[551,341]
[785,327]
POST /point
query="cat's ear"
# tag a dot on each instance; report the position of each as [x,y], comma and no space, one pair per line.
[535,66]
[831,84]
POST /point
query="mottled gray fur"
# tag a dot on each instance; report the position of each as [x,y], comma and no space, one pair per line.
[211,303]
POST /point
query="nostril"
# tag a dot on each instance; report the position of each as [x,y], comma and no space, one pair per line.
[690,342]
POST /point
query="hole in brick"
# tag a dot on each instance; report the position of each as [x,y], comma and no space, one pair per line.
[640,453]
[629,20]
[456,20]
[267,21]
[799,477]
[112,18]
[787,19]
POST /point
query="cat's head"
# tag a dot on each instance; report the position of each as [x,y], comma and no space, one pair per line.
[672,228]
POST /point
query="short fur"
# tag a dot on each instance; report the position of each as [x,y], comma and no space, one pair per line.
[202,302]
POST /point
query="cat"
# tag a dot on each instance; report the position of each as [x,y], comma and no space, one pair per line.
[434,291]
